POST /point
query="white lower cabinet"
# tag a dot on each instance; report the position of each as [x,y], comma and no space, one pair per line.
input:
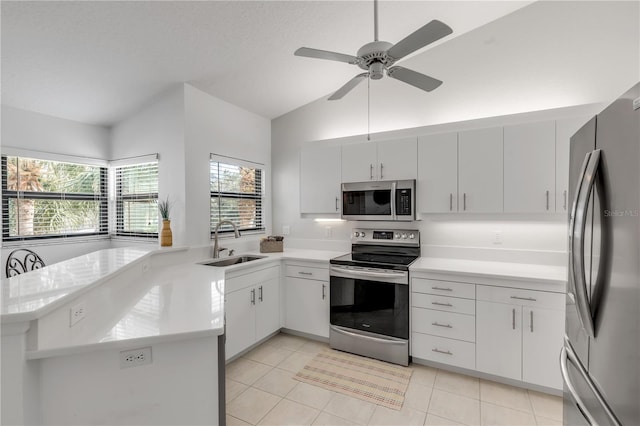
[519,334]
[307,298]
[443,322]
[252,308]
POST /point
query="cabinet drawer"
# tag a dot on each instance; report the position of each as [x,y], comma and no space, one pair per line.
[444,324]
[443,303]
[517,296]
[308,272]
[443,288]
[238,282]
[446,351]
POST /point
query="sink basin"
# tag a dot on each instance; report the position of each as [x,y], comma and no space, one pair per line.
[232,260]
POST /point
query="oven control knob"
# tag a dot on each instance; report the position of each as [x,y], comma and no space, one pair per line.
[356,234]
[411,236]
[396,235]
[362,234]
[404,236]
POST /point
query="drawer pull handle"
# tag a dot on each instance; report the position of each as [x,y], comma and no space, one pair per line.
[437,324]
[305,273]
[531,299]
[442,288]
[531,322]
[441,352]
[442,304]
[513,319]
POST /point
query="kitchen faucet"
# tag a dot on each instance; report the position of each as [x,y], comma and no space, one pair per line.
[216,250]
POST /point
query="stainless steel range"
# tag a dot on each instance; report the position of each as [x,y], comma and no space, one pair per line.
[370,294]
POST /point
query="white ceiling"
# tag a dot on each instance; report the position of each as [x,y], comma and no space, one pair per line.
[96,62]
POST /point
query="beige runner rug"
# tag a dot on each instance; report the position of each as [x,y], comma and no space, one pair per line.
[364,378]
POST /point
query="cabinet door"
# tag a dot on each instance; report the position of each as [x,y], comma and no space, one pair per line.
[499,339]
[267,308]
[542,335]
[529,168]
[437,184]
[359,162]
[320,178]
[564,130]
[240,316]
[307,306]
[480,170]
[397,159]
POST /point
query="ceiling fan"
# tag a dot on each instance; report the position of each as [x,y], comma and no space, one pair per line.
[378,56]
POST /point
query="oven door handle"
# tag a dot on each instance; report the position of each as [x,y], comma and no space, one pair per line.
[380,276]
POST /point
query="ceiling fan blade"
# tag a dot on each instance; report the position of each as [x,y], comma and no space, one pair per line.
[429,33]
[324,54]
[414,78]
[348,87]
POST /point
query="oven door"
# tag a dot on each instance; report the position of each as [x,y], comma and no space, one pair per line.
[374,301]
[368,201]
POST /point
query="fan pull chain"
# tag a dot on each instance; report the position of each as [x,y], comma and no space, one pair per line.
[368,108]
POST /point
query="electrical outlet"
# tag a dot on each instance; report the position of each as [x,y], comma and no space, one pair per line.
[76,313]
[135,357]
[497,237]
[286,229]
[328,231]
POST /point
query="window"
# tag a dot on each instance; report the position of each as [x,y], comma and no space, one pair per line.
[136,198]
[236,194]
[47,199]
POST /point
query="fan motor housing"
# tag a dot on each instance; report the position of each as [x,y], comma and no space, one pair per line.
[375,53]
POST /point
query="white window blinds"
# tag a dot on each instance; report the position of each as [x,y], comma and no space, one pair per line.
[236,194]
[136,199]
[52,199]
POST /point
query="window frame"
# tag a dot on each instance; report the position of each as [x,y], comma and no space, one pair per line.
[258,196]
[7,195]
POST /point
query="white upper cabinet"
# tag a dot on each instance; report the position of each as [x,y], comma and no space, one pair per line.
[437,184]
[480,170]
[384,160]
[564,130]
[529,168]
[320,179]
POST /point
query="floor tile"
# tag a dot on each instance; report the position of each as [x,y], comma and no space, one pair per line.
[295,362]
[502,416]
[406,416]
[417,396]
[290,413]
[423,375]
[457,383]
[287,341]
[548,422]
[313,347]
[350,408]
[232,421]
[233,389]
[326,419]
[246,371]
[310,395]
[505,396]
[545,405]
[455,407]
[439,421]
[278,382]
[268,354]
[252,405]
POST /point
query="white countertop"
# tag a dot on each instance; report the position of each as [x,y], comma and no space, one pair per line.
[490,269]
[28,296]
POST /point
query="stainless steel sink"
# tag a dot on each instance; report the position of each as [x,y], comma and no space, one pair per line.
[232,260]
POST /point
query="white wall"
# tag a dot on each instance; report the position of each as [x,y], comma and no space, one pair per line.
[34,132]
[159,128]
[215,126]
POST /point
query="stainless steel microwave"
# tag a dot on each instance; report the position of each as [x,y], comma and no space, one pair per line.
[380,200]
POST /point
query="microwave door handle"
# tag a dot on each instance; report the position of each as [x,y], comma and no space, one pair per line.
[577,244]
[393,200]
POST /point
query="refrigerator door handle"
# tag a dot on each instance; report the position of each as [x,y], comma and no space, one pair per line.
[577,233]
[567,354]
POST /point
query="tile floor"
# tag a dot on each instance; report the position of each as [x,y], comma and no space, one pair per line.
[261,391]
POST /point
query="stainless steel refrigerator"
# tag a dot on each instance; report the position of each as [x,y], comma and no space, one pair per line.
[600,361]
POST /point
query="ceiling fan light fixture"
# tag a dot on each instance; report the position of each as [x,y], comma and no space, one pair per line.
[376,71]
